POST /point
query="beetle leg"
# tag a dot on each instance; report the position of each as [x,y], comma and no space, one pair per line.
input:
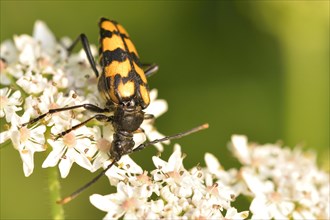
[89,107]
[149,69]
[99,117]
[84,41]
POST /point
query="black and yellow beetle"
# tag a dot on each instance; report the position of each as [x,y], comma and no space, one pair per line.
[123,84]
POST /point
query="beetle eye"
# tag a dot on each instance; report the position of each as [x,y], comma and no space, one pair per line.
[130,103]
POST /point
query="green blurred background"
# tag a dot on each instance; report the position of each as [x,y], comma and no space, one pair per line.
[259,68]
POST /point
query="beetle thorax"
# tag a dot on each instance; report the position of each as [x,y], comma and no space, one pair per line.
[128,119]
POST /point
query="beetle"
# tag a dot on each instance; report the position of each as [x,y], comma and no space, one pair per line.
[123,84]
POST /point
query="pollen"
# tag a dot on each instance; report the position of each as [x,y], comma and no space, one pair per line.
[3,65]
[129,204]
[144,178]
[25,151]
[24,134]
[103,145]
[53,105]
[213,190]
[70,139]
[3,101]
[175,176]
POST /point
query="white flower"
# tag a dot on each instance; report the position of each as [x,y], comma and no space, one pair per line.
[157,107]
[125,202]
[8,51]
[180,194]
[8,55]
[240,148]
[9,103]
[103,138]
[52,99]
[32,82]
[233,214]
[26,140]
[284,183]
[73,147]
[127,168]
[40,50]
[267,203]
[79,72]
[230,178]
[172,168]
[28,50]
[46,40]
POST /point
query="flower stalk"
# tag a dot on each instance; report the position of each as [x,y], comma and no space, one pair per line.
[54,187]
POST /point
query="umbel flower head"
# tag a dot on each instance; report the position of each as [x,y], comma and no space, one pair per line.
[37,74]
[180,193]
[283,183]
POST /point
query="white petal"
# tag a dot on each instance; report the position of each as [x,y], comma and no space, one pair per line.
[159,163]
[43,35]
[28,164]
[15,138]
[212,163]
[286,207]
[255,184]
[153,94]
[175,160]
[65,166]
[28,55]
[139,138]
[157,107]
[82,161]
[9,111]
[16,95]
[99,160]
[168,195]
[240,148]
[23,40]
[55,155]
[101,202]
[8,52]
[132,166]
[259,208]
[114,174]
[34,147]
[4,136]
[233,214]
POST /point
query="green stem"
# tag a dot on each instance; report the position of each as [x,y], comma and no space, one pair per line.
[57,211]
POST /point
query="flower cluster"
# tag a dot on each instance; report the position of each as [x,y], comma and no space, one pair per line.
[283,183]
[37,74]
[170,191]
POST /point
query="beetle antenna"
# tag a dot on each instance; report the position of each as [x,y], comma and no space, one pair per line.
[81,189]
[176,136]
